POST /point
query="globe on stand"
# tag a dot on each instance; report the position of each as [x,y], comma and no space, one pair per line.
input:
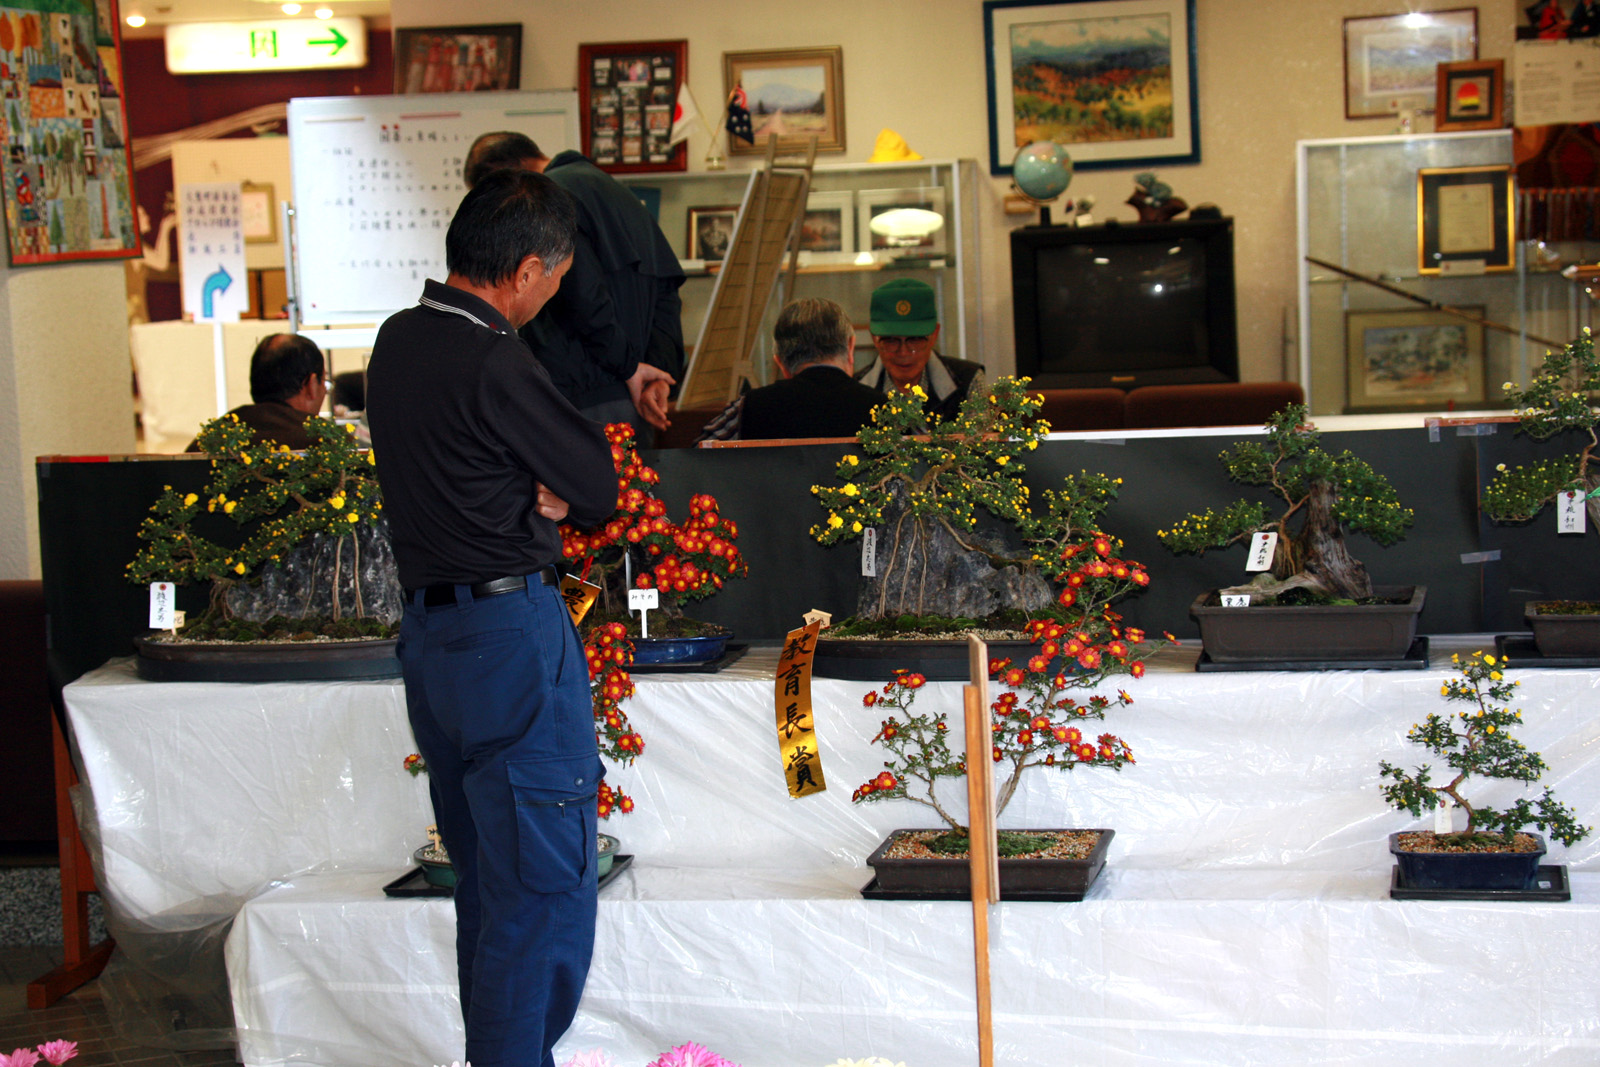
[1041,172]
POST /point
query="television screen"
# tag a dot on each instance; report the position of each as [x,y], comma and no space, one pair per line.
[1125,305]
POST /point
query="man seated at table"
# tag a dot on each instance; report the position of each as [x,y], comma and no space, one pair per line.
[815,395]
[905,330]
[287,387]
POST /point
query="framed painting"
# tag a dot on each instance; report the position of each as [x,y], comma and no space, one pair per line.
[795,93]
[1391,61]
[1471,96]
[457,59]
[258,213]
[1466,220]
[828,228]
[711,231]
[1407,360]
[871,203]
[626,95]
[1113,81]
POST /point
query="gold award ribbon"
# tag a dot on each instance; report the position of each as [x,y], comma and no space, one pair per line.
[791,693]
[579,595]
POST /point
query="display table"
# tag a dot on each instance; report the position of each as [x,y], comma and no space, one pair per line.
[1245,899]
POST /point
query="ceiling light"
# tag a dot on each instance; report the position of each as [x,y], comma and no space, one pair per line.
[1416,20]
[135,21]
[323,12]
[291,9]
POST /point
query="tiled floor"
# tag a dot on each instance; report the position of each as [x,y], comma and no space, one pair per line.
[79,1017]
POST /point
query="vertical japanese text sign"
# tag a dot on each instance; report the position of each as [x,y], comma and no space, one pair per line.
[211,251]
[797,734]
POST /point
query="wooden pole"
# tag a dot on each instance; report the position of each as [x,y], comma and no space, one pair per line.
[983,857]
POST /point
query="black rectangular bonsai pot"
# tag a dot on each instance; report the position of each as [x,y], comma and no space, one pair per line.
[1017,875]
[1563,635]
[1258,634]
[1466,870]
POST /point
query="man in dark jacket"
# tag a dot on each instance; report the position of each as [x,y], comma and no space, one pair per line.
[287,387]
[612,338]
[905,330]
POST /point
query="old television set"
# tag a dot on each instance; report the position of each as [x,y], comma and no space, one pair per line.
[1125,306]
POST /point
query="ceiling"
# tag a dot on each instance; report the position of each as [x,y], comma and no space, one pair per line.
[159,13]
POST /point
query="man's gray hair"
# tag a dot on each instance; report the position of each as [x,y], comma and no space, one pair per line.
[811,331]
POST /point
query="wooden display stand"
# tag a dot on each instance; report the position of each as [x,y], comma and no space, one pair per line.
[83,961]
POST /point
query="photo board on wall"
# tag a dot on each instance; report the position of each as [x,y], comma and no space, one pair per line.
[377,180]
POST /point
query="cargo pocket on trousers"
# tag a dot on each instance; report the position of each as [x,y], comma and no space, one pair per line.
[555,801]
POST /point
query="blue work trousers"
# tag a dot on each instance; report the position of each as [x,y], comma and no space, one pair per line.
[498,695]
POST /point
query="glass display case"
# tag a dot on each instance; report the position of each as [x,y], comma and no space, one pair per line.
[840,258]
[1374,206]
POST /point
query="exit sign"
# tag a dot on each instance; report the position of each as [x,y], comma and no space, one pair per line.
[268,44]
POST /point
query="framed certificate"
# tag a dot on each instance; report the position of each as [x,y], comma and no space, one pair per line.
[1466,220]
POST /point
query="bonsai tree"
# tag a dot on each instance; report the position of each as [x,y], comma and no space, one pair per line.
[683,561]
[1322,495]
[285,504]
[961,537]
[1478,742]
[1557,400]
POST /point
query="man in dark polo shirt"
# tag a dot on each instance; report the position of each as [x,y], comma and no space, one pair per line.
[288,383]
[479,456]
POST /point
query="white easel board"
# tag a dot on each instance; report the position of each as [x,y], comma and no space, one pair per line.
[377,180]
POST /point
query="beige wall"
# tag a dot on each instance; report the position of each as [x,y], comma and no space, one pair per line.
[64,385]
[1271,73]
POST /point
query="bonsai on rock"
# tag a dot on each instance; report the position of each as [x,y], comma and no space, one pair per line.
[1322,495]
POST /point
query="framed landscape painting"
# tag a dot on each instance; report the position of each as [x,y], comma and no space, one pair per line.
[1113,81]
[795,93]
[1400,360]
[1391,61]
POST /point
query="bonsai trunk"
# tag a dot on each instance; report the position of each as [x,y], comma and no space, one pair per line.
[1317,558]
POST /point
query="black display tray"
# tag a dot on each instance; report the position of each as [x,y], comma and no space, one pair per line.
[1550,883]
[870,891]
[1520,650]
[730,655]
[1415,659]
[413,884]
[266,661]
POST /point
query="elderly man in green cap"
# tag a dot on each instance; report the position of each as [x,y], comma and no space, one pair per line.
[905,329]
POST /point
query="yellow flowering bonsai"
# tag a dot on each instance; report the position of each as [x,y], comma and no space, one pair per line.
[1323,495]
[277,501]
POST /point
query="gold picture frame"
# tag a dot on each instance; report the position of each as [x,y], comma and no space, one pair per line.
[1466,220]
[794,92]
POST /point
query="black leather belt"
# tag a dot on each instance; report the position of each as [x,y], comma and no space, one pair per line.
[443,593]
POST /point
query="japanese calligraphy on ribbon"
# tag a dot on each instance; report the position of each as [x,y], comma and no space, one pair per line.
[579,596]
[797,733]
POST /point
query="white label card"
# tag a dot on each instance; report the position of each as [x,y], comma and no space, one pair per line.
[1235,600]
[163,601]
[1569,512]
[1262,547]
[869,552]
[642,600]
[1443,819]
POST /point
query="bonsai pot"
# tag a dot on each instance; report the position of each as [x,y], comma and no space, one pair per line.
[1017,875]
[264,661]
[661,651]
[1311,632]
[936,660]
[1563,635]
[435,871]
[1466,870]
[608,846]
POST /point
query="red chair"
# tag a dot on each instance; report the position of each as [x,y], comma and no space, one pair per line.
[1209,404]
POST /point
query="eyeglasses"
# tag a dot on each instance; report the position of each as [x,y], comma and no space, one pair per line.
[895,344]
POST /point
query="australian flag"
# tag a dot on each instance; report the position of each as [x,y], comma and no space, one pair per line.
[739,116]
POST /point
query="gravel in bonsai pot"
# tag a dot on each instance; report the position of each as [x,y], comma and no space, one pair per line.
[1311,570]
[1556,401]
[1492,852]
[641,547]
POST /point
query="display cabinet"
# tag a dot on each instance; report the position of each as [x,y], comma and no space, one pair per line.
[840,259]
[1363,207]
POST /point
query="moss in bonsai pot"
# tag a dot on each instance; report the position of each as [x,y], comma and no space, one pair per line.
[1476,742]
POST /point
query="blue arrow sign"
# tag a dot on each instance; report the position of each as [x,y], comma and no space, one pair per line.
[217,282]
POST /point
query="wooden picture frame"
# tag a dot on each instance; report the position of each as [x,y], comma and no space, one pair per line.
[1391,61]
[258,210]
[1413,360]
[457,59]
[711,231]
[1466,219]
[626,94]
[794,92]
[1471,95]
[872,202]
[1150,119]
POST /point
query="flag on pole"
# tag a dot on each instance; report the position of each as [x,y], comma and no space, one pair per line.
[683,115]
[739,116]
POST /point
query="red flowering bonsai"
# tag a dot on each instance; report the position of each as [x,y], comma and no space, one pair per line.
[684,561]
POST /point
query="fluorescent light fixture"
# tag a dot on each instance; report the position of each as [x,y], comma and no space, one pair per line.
[135,20]
[323,12]
[291,9]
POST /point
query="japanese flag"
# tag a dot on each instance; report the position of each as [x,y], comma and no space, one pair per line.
[682,115]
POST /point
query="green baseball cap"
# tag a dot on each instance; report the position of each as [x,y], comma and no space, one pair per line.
[904,308]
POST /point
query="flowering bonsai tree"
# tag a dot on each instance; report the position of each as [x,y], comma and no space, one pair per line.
[1478,742]
[684,561]
[1557,400]
[1322,493]
[608,652]
[279,500]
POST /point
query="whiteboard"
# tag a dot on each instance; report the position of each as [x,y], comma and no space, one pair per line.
[377,180]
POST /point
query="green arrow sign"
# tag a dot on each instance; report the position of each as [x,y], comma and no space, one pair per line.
[338,40]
